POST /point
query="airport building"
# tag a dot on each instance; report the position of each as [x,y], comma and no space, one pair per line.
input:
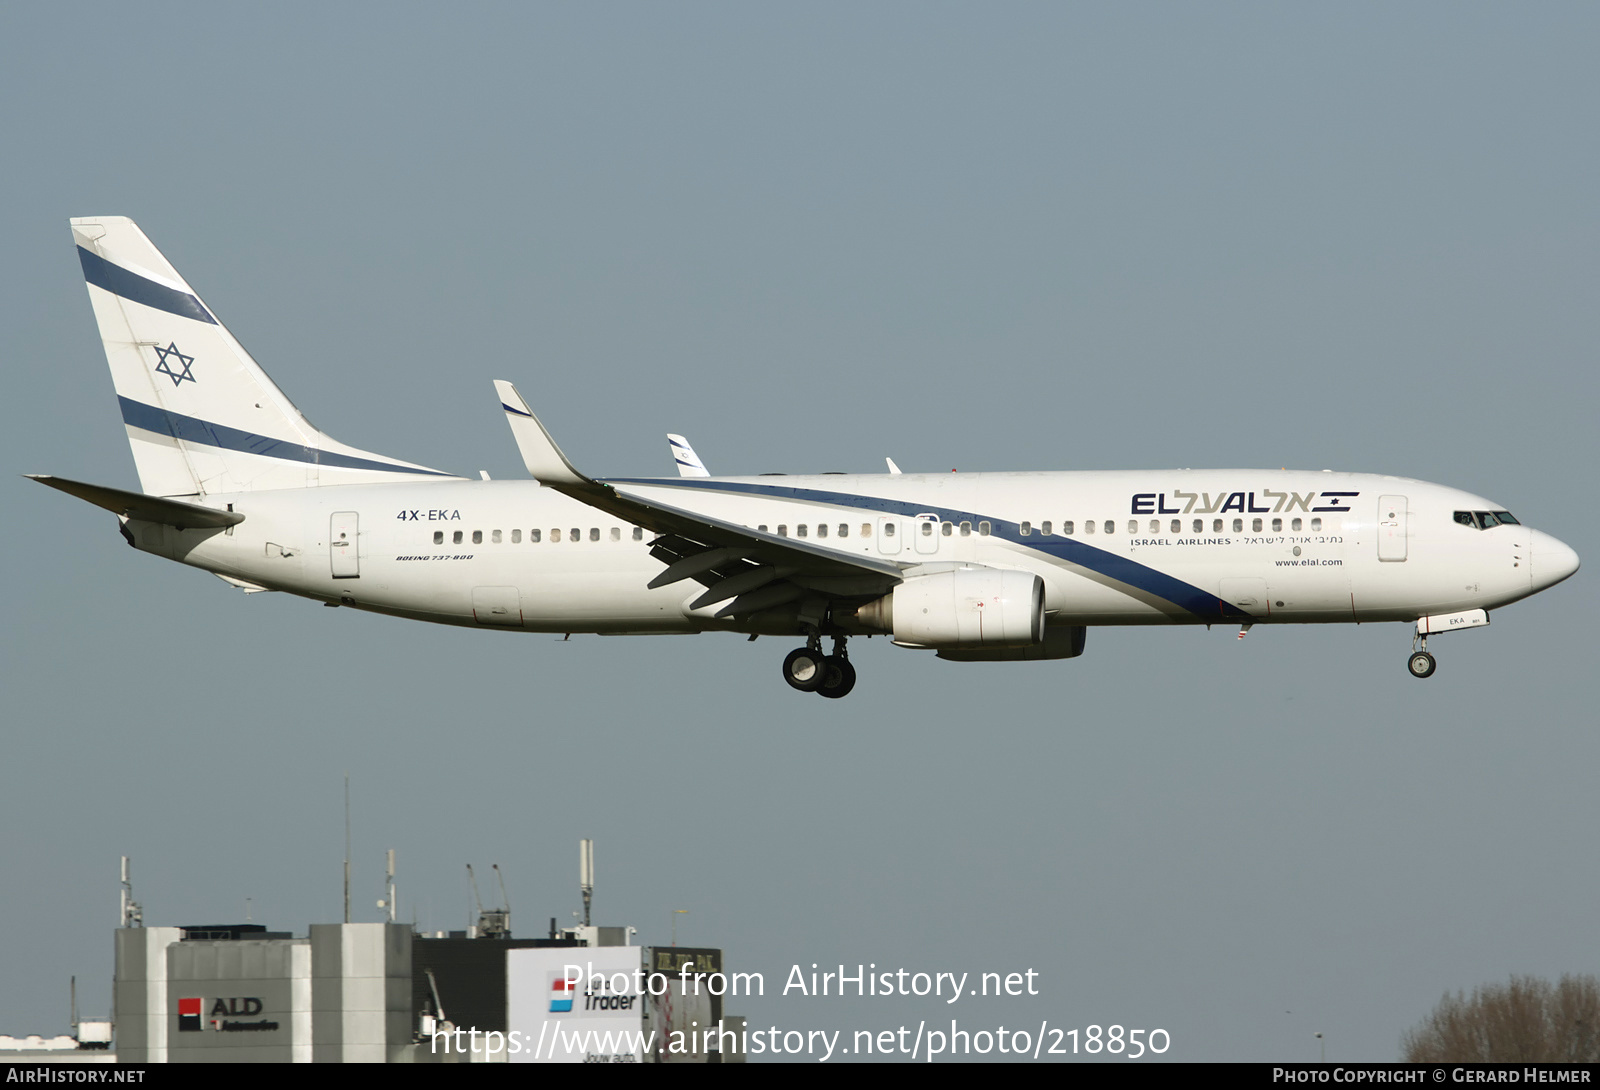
[385,993]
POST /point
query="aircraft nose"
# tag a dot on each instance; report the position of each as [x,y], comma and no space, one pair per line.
[1553,560]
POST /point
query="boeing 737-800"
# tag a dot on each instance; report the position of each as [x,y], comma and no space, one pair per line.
[977,567]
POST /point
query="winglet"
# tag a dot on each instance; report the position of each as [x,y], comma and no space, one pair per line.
[539,452]
[689,463]
[892,467]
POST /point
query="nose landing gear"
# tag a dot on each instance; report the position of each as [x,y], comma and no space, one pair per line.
[810,671]
[1421,664]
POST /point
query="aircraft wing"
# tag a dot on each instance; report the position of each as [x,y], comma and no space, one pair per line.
[756,570]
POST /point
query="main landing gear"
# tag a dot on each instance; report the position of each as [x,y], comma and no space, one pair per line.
[1421,664]
[810,671]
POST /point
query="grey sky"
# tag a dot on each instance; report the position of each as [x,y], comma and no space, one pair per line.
[988,237]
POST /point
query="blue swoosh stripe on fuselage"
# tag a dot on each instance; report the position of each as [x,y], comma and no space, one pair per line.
[193,430]
[130,285]
[1120,568]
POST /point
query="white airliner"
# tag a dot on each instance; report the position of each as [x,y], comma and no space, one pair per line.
[978,567]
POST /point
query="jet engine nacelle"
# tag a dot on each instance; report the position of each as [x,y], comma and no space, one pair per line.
[971,608]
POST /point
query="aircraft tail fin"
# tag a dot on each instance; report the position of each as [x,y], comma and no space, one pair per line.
[202,416]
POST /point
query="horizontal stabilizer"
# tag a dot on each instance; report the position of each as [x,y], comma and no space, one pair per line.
[540,454]
[136,505]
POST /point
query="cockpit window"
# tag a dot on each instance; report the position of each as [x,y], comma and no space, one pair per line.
[1484,520]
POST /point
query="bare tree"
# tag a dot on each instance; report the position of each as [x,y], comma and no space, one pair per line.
[1528,1020]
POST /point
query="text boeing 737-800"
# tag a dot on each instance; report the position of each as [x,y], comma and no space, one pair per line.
[978,567]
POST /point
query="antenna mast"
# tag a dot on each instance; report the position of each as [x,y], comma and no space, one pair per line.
[586,875]
[132,913]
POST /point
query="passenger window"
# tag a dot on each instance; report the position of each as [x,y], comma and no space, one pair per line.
[1066,527]
[822,529]
[455,538]
[1155,526]
[616,533]
[516,537]
[762,527]
[1238,526]
[1044,528]
[866,529]
[983,529]
[844,529]
[594,533]
[638,533]
[1199,526]
[1277,526]
[966,529]
[555,535]
[1026,529]
[927,528]
[495,537]
[888,529]
[533,536]
[1088,526]
[1216,526]
[1111,527]
[947,528]
[1295,526]
[800,530]
[1255,525]
[576,534]
[783,529]
[477,537]
[438,537]
[1316,524]
[1177,526]
[1133,526]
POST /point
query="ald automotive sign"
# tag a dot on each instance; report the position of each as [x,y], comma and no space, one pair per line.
[196,1013]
